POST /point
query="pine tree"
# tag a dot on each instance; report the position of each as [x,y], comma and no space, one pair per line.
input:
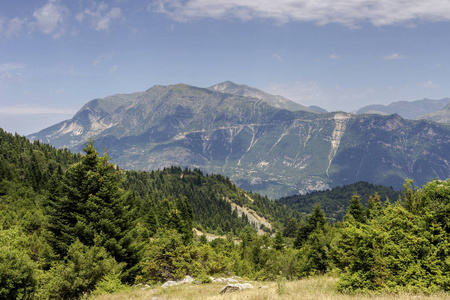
[317,219]
[355,209]
[278,242]
[373,207]
[91,207]
[290,229]
[315,222]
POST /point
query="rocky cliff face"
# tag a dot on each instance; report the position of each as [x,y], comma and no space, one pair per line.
[262,148]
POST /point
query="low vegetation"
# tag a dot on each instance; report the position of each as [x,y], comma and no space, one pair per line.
[311,288]
[74,226]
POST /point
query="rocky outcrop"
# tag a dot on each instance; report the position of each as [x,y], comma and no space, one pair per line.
[169,283]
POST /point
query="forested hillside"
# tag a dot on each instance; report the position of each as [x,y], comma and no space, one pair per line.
[336,201]
[76,225]
[210,196]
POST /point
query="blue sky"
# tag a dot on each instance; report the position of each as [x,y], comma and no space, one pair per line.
[56,55]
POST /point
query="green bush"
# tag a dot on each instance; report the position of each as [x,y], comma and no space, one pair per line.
[17,274]
[109,284]
[83,268]
[401,248]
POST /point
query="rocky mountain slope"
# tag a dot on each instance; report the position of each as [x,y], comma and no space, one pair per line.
[441,116]
[260,147]
[406,109]
[229,87]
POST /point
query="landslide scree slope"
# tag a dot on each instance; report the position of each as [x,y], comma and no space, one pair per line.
[273,151]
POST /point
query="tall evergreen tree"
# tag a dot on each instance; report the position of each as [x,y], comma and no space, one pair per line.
[278,242]
[93,209]
[317,219]
[290,229]
[373,207]
[356,209]
[315,222]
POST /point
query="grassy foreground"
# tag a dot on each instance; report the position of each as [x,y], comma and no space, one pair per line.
[315,288]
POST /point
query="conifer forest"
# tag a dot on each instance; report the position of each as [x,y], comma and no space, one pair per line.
[74,225]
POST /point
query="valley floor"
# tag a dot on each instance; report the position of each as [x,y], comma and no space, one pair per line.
[315,288]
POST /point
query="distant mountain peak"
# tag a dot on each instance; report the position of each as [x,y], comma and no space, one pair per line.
[406,109]
[277,101]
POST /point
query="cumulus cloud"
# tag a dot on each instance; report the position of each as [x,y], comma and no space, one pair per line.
[394,56]
[346,12]
[100,16]
[50,18]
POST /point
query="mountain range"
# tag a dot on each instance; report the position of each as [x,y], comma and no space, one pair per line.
[407,109]
[263,142]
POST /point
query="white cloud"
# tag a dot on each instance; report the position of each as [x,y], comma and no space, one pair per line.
[428,85]
[346,12]
[113,69]
[14,26]
[50,18]
[100,16]
[394,56]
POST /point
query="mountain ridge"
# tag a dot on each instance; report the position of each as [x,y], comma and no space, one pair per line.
[406,109]
[247,91]
[260,147]
[441,116]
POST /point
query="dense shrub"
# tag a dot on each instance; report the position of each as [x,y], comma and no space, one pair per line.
[402,248]
[17,274]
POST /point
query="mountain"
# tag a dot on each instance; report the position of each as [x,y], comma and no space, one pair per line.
[261,148]
[406,109]
[318,109]
[441,116]
[229,87]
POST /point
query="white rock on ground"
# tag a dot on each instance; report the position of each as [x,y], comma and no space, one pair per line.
[187,279]
[223,280]
[236,287]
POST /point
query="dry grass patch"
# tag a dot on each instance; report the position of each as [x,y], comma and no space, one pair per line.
[315,288]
